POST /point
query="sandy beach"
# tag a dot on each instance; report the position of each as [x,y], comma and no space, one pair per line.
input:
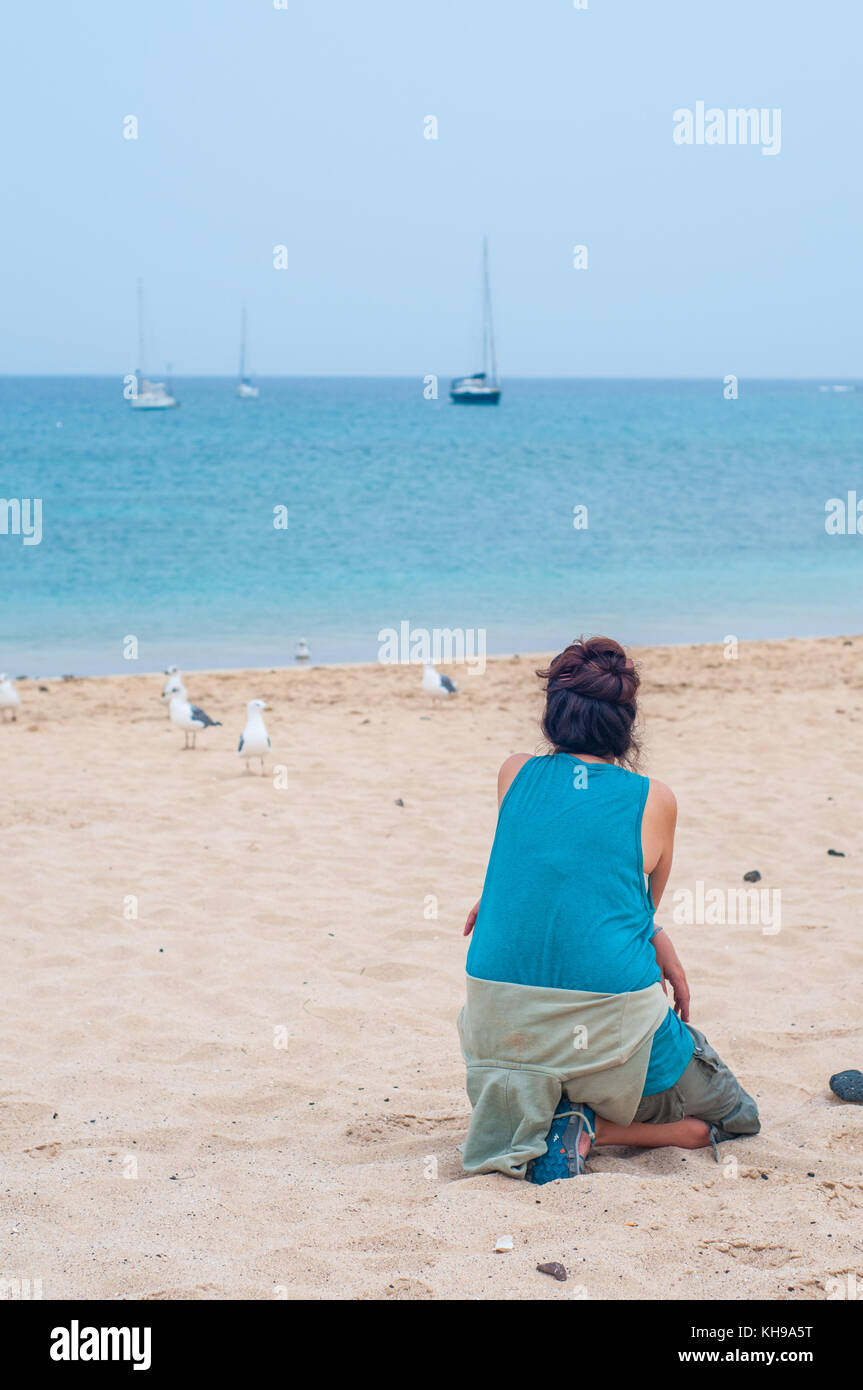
[230,1066]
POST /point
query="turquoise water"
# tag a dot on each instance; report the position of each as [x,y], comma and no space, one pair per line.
[705,517]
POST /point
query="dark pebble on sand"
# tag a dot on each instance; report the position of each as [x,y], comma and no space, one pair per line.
[45,688]
[837,853]
[556,1270]
[765,1177]
[848,1085]
[752,877]
[399,801]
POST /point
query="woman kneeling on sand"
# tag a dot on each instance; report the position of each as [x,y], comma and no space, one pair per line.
[567,1033]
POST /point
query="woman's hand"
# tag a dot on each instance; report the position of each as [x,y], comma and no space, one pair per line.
[672,971]
[471,919]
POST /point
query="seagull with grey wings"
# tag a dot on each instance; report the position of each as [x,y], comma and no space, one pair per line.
[434,683]
[190,718]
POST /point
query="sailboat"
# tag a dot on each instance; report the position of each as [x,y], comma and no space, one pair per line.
[483,387]
[245,390]
[149,395]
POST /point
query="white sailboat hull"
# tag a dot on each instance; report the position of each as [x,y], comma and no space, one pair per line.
[154,403]
[474,390]
[153,396]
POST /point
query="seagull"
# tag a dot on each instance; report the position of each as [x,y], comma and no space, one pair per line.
[9,697]
[190,718]
[433,683]
[254,740]
[301,650]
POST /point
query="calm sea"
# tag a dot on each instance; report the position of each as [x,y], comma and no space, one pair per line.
[705,517]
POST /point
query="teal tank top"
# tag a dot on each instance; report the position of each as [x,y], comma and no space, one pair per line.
[565,903]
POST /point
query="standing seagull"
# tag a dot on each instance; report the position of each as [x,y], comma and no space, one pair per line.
[254,740]
[190,718]
[9,697]
[433,683]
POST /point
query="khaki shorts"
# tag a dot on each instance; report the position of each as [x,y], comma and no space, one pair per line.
[707,1090]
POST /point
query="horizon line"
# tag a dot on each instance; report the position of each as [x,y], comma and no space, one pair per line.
[419,376]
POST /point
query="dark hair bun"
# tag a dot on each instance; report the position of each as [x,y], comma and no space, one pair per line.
[598,667]
[590,699]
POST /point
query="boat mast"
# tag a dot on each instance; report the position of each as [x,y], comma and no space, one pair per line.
[488,320]
[140,371]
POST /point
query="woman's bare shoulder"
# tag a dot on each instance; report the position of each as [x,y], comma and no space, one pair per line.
[661,799]
[509,770]
[515,761]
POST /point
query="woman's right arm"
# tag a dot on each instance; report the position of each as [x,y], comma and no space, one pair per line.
[672,972]
[660,821]
[662,807]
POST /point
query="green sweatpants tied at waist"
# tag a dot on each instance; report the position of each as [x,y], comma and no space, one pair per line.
[524,1046]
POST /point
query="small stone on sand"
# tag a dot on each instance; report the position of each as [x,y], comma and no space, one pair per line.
[556,1270]
[503,1243]
[848,1086]
[753,876]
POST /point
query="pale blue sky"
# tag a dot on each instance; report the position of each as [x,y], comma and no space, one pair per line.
[305,127]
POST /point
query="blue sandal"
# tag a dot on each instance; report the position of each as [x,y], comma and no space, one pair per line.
[561,1158]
